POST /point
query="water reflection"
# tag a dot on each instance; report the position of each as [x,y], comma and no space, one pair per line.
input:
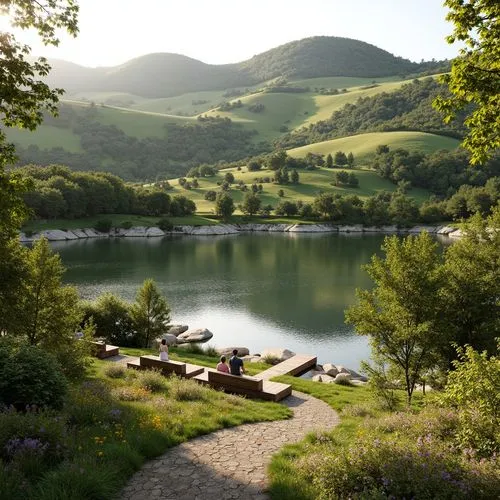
[258,290]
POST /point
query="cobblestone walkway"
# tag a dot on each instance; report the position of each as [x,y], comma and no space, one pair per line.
[230,463]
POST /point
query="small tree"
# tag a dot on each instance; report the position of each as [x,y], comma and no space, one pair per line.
[340,158]
[329,161]
[474,389]
[350,159]
[294,177]
[254,166]
[224,205]
[210,195]
[281,193]
[150,313]
[399,314]
[229,177]
[251,204]
[49,312]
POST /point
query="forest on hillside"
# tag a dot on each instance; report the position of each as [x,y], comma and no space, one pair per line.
[209,140]
[409,108]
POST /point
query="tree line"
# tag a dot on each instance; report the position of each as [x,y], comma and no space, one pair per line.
[58,192]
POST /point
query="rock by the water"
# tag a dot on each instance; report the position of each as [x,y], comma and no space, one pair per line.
[356,228]
[343,369]
[176,329]
[281,354]
[135,232]
[228,351]
[198,335]
[80,233]
[330,369]
[341,377]
[313,228]
[213,230]
[154,231]
[171,339]
[55,235]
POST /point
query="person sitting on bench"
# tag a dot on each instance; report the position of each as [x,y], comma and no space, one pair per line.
[236,364]
[222,365]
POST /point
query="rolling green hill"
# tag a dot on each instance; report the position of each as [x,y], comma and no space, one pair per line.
[311,183]
[363,146]
[166,75]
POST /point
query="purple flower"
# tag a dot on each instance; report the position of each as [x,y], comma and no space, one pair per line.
[18,446]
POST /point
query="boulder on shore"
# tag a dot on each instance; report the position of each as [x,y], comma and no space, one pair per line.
[171,339]
[197,335]
[330,369]
[228,351]
[176,329]
[342,377]
[281,354]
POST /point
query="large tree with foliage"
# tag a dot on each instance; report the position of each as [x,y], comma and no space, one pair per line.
[475,74]
[150,313]
[470,295]
[224,205]
[23,98]
[399,314]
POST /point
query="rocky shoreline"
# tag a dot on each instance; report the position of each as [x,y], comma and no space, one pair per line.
[225,229]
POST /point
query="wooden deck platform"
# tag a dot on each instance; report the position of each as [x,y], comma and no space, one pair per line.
[296,365]
[148,362]
[103,351]
[271,391]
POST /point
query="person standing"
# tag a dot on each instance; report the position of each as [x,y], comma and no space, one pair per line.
[236,364]
[163,350]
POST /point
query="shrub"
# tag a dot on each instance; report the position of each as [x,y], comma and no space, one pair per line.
[271,360]
[126,224]
[187,390]
[165,225]
[89,403]
[343,381]
[30,376]
[103,225]
[31,442]
[132,394]
[211,351]
[151,381]
[115,370]
[474,388]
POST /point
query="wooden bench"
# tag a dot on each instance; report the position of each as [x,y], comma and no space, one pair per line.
[149,362]
[248,386]
[101,350]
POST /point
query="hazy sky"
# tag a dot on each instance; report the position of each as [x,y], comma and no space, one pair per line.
[225,31]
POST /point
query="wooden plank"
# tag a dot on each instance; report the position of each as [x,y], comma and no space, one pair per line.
[193,370]
[296,365]
[239,382]
[166,367]
[271,391]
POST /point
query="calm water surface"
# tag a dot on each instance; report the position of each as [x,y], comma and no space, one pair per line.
[253,290]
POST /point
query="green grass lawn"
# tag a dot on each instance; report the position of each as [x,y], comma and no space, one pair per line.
[310,184]
[363,146]
[45,137]
[117,220]
[112,422]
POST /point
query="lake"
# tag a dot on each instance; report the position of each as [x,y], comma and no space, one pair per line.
[256,290]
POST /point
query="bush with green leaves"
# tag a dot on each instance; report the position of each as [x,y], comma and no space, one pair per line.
[103,225]
[30,376]
[151,380]
[165,225]
[401,456]
[474,389]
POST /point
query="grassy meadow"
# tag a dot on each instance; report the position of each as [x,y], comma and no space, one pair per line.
[310,184]
[363,146]
[112,422]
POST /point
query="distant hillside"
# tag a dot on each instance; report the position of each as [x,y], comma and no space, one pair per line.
[165,75]
[407,108]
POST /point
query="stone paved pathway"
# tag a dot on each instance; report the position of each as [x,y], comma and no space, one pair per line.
[230,463]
